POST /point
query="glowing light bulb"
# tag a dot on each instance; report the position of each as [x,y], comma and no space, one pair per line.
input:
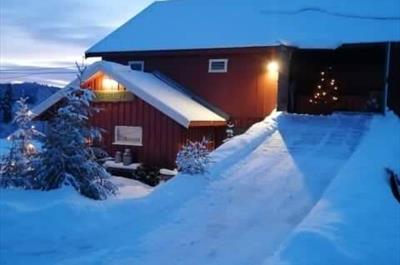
[30,149]
[109,84]
[273,66]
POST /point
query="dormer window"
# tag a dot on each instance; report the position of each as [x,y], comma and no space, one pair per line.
[137,65]
[218,66]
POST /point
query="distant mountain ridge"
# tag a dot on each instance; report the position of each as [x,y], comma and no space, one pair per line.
[36,92]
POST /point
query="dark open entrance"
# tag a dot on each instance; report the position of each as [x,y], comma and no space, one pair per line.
[358,72]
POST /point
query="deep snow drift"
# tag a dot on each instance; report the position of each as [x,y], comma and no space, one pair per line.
[291,190]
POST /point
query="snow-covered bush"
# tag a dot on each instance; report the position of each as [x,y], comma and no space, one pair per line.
[147,174]
[193,158]
[17,168]
[67,158]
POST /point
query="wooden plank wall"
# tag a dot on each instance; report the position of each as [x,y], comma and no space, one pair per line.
[95,83]
[162,136]
[246,92]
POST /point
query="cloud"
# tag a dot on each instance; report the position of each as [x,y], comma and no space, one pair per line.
[81,36]
[48,31]
[56,21]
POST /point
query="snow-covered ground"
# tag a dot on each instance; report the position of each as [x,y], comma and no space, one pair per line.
[292,190]
[129,188]
[357,221]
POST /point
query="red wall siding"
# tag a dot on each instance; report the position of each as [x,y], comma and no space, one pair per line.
[246,92]
[162,136]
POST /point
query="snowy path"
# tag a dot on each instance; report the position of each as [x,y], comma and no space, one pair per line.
[264,183]
[244,215]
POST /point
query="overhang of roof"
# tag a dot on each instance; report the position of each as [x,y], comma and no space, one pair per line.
[169,100]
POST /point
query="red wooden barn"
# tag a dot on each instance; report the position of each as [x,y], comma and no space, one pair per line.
[181,69]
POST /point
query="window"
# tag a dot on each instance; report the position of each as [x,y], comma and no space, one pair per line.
[128,135]
[137,65]
[218,65]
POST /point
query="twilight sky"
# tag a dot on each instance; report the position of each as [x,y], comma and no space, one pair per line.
[41,40]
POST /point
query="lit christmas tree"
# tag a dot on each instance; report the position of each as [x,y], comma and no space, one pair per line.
[326,91]
[16,168]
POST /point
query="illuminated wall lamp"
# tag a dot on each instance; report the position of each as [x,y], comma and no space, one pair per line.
[273,67]
[109,84]
[273,70]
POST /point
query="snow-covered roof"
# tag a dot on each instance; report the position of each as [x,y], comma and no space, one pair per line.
[204,24]
[48,102]
[172,102]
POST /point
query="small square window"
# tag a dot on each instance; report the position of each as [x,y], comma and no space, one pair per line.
[218,65]
[128,135]
[137,65]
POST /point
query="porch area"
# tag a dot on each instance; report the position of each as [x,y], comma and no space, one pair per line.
[356,78]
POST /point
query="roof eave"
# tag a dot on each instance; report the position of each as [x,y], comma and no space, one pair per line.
[248,48]
[207,124]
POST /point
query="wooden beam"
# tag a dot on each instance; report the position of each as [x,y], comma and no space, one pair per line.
[285,55]
[180,52]
[207,123]
[386,80]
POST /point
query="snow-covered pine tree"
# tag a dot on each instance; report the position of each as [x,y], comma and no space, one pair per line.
[6,104]
[17,168]
[67,159]
[193,158]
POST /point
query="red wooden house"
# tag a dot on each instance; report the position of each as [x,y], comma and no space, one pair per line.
[144,112]
[181,69]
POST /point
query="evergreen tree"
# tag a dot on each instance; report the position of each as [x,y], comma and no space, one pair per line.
[326,91]
[17,168]
[193,158]
[6,104]
[67,158]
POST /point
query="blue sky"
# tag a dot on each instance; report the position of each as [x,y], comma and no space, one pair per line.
[55,33]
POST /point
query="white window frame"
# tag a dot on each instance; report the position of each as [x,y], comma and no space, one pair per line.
[211,61]
[137,62]
[139,132]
